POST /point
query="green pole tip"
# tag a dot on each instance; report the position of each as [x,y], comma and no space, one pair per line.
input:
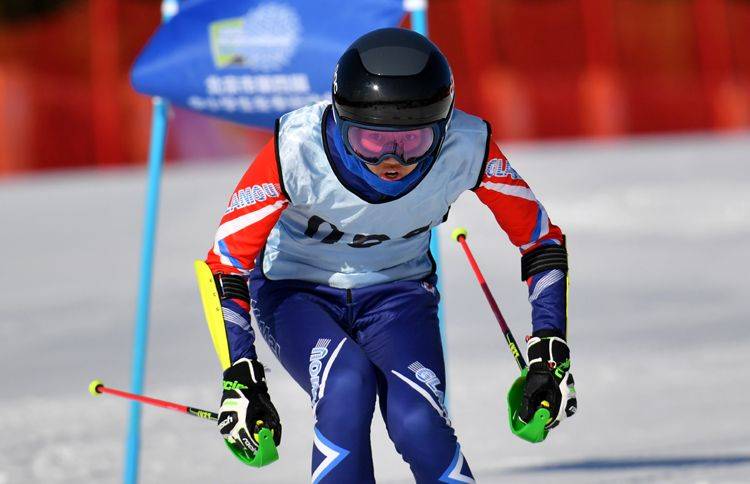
[458,232]
[266,453]
[94,387]
[534,431]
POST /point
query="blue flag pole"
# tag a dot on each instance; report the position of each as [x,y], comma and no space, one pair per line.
[418,16]
[140,340]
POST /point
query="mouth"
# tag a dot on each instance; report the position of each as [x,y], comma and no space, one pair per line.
[390,175]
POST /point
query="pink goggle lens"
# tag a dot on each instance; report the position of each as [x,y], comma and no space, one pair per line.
[372,144]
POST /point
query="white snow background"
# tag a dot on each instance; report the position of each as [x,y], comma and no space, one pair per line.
[658,232]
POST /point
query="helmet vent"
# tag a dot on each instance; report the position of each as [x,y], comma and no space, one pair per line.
[394,60]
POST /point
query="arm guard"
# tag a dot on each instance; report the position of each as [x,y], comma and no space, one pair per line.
[228,322]
[544,258]
[232,286]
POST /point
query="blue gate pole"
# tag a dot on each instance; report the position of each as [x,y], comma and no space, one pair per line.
[140,339]
[418,17]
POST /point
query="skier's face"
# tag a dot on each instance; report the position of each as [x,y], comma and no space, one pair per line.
[391,170]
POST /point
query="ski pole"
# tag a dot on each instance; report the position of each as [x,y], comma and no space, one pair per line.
[96,388]
[266,453]
[535,430]
[459,235]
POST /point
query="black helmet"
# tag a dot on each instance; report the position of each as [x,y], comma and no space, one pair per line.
[393,77]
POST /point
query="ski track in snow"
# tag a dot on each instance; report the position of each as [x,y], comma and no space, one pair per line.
[657,230]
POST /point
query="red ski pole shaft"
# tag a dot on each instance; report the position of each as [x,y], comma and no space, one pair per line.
[96,388]
[460,236]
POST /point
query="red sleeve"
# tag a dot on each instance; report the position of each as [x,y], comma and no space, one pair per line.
[253,210]
[514,205]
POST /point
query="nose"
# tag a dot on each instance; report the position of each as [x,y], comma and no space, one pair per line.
[391,162]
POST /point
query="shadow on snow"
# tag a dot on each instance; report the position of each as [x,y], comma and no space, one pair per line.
[636,463]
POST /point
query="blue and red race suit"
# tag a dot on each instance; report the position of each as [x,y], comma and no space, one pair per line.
[343,290]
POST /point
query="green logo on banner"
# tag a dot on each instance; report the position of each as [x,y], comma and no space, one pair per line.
[264,40]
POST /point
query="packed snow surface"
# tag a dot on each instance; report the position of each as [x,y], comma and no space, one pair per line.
[658,232]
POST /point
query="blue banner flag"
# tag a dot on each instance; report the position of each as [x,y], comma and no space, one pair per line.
[251,61]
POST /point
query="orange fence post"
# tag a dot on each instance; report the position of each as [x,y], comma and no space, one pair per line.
[14,122]
[602,98]
[497,91]
[729,102]
[475,27]
[105,81]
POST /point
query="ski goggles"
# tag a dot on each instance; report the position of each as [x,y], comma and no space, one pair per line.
[407,146]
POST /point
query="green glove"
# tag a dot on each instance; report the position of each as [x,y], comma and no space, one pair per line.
[246,407]
[549,382]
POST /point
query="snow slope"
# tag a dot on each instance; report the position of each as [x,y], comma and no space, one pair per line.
[657,230]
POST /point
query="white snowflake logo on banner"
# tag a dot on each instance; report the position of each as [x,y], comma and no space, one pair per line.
[264,40]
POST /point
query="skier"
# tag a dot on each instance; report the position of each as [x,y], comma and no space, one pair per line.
[326,240]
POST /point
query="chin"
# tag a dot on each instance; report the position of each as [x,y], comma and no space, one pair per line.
[397,178]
